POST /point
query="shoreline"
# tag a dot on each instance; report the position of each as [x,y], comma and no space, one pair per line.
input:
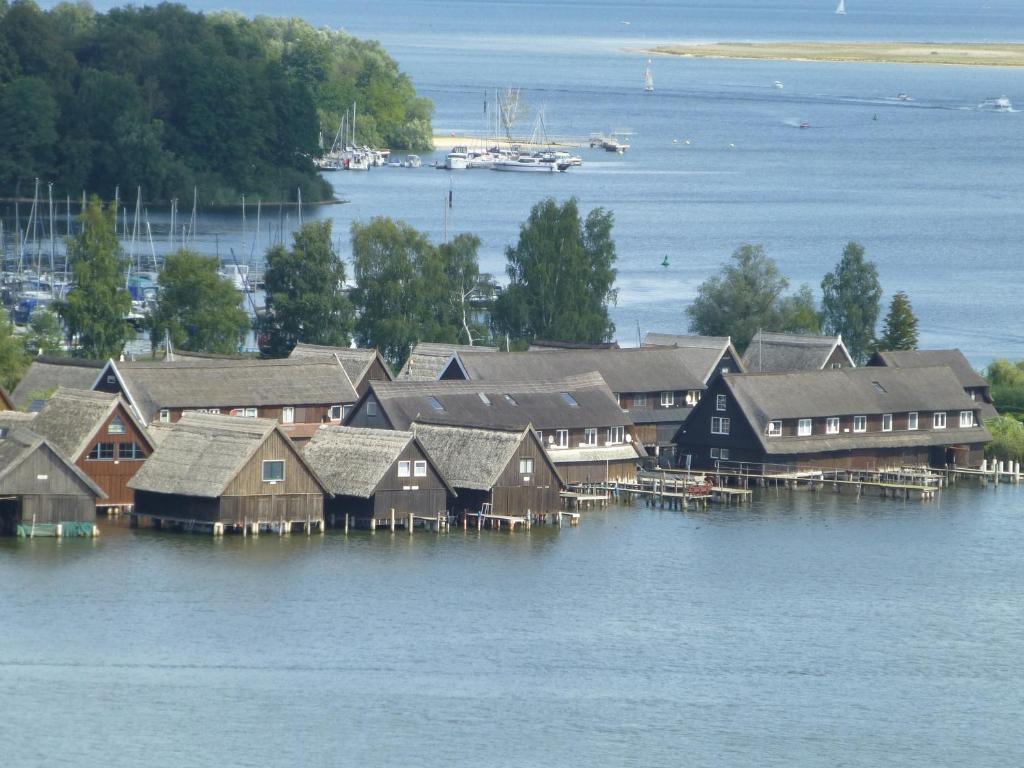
[945,54]
[451,140]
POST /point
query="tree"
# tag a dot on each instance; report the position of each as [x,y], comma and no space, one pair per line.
[13,360]
[850,304]
[197,308]
[798,313]
[45,336]
[305,293]
[28,130]
[561,276]
[95,309]
[742,300]
[899,330]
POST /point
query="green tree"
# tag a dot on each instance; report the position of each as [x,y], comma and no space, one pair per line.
[899,329]
[1007,439]
[742,300]
[1007,381]
[44,336]
[28,130]
[306,301]
[197,308]
[799,313]
[13,360]
[850,304]
[95,309]
[561,276]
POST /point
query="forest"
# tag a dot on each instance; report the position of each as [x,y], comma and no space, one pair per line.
[168,99]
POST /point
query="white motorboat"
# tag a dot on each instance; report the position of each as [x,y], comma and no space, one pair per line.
[525,164]
[237,275]
[778,84]
[457,159]
[412,161]
[997,104]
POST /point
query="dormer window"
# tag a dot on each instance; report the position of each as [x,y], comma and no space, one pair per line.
[832,425]
[803,428]
[912,421]
[668,399]
[966,419]
[774,428]
[640,400]
[860,423]
[887,422]
[939,420]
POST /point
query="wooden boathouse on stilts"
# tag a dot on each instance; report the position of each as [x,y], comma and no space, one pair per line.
[226,473]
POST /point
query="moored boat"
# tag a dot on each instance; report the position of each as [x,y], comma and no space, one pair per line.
[525,164]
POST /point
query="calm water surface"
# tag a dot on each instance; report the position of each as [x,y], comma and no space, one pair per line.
[804,631]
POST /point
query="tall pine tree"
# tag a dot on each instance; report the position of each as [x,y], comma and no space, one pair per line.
[899,330]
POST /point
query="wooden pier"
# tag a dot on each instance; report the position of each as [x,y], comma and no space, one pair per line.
[222,528]
[668,489]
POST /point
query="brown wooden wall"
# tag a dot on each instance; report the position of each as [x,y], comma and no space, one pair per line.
[304,414]
[60,497]
[623,471]
[627,400]
[376,372]
[113,475]
[297,478]
[429,497]
[289,507]
[174,507]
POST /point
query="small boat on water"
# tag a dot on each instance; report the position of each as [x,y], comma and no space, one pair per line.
[904,97]
[609,144]
[805,124]
[648,78]
[525,164]
[997,104]
[237,275]
[412,161]
[457,159]
[778,85]
[841,8]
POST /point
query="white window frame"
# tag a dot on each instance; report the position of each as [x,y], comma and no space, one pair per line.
[111,430]
[668,399]
[640,400]
[939,420]
[336,412]
[720,425]
[419,469]
[590,436]
[966,419]
[561,438]
[264,472]
[912,421]
[887,422]
[863,421]
[804,427]
[720,402]
[288,415]
[775,428]
[405,469]
[526,465]
[165,416]
[724,454]
[616,436]
[714,453]
[832,425]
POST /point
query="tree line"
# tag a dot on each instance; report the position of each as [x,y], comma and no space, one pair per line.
[169,99]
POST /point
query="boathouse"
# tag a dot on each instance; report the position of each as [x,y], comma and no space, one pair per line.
[974,384]
[427,361]
[844,418]
[300,391]
[216,472]
[47,373]
[708,356]
[506,469]
[377,477]
[101,435]
[789,352]
[361,365]
[585,432]
[41,492]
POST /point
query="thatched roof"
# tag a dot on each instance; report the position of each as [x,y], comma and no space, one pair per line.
[471,458]
[351,461]
[559,403]
[355,360]
[929,358]
[787,352]
[636,369]
[71,418]
[427,360]
[202,453]
[45,374]
[544,344]
[703,353]
[15,419]
[197,383]
[17,444]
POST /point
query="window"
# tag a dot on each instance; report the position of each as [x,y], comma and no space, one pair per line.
[879,387]
[116,426]
[912,420]
[540,436]
[246,413]
[803,427]
[720,402]
[692,397]
[860,423]
[617,400]
[102,452]
[640,400]
[371,407]
[208,410]
[725,369]
[966,418]
[714,453]
[129,451]
[668,399]
[288,415]
[273,471]
[512,401]
[590,436]
[974,394]
[832,425]
[561,438]
[336,413]
[111,378]
[939,420]
[719,425]
[419,469]
[570,400]
[165,416]
[526,466]
[887,422]
[774,428]
[724,453]
[616,435]
[404,468]
[484,399]
[836,366]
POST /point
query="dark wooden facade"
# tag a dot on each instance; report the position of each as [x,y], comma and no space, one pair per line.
[375,372]
[617,471]
[44,489]
[112,475]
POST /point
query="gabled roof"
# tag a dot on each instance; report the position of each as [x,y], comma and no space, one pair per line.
[6,404]
[428,360]
[786,352]
[545,344]
[509,405]
[71,418]
[202,453]
[45,374]
[197,383]
[17,444]
[848,392]
[15,419]
[927,358]
[703,352]
[636,369]
[473,458]
[352,462]
[355,360]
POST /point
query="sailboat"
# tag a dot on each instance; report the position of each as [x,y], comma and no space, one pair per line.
[841,8]
[648,78]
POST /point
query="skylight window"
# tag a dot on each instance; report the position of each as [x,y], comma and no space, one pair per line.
[879,387]
[510,400]
[484,399]
[434,403]
[570,400]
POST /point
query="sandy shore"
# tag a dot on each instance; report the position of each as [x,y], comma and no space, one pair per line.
[448,141]
[957,54]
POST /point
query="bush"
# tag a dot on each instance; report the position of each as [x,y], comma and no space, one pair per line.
[1007,439]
